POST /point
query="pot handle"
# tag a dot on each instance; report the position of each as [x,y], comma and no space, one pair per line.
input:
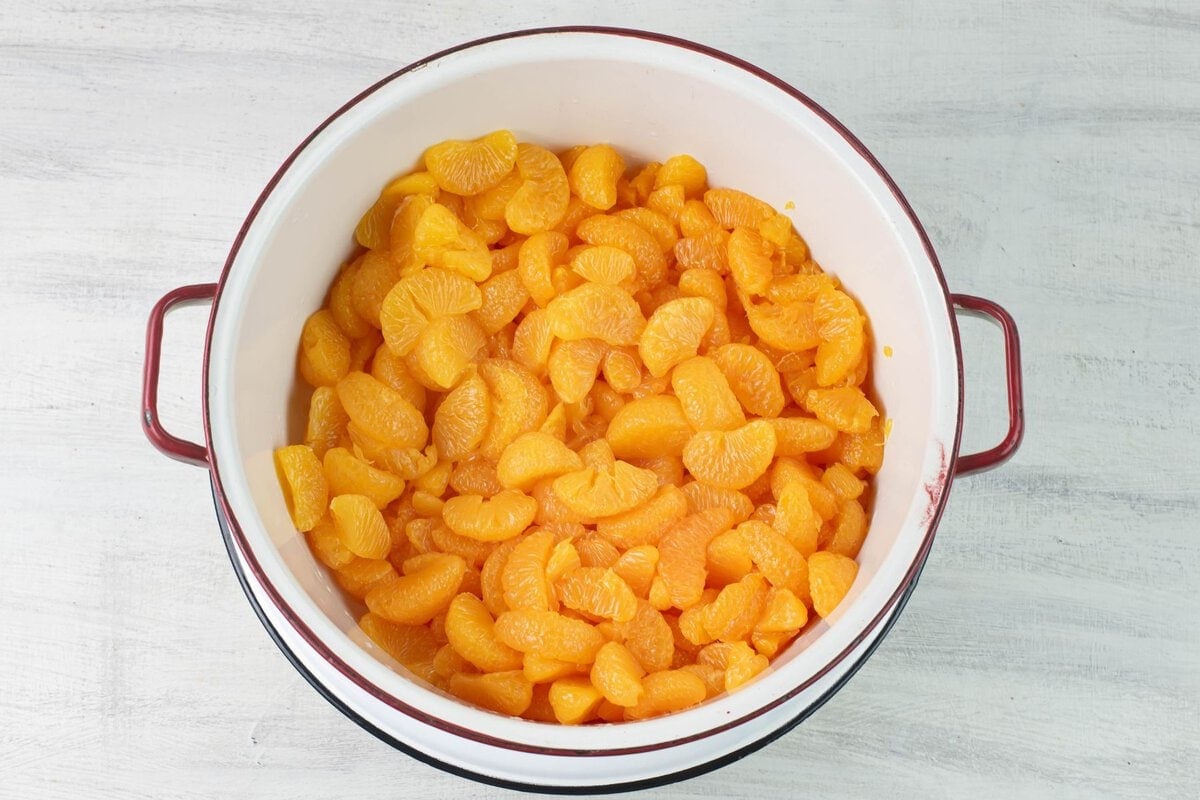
[173,446]
[977,462]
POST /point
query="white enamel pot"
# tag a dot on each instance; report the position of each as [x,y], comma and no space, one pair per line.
[652,96]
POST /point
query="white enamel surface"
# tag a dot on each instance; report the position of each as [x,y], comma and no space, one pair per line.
[547,770]
[651,100]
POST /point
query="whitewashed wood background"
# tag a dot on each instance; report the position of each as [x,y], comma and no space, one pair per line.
[1053,150]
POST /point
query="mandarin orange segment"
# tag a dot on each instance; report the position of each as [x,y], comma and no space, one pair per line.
[606,402]
[845,408]
[503,692]
[727,558]
[665,692]
[549,634]
[701,496]
[733,209]
[418,299]
[708,249]
[373,229]
[622,371]
[573,366]
[489,204]
[541,201]
[462,418]
[596,311]
[389,369]
[358,577]
[376,274]
[411,645]
[682,554]
[441,239]
[491,584]
[838,359]
[360,526]
[502,298]
[786,327]
[519,404]
[302,479]
[564,558]
[636,566]
[830,577]
[599,593]
[660,227]
[551,508]
[490,519]
[784,611]
[596,551]
[802,288]
[685,171]
[706,397]
[447,662]
[470,631]
[752,377]
[795,436]
[471,550]
[777,230]
[532,341]
[778,560]
[533,456]
[863,452]
[674,332]
[750,261]
[327,547]
[341,304]
[649,638]
[447,347]
[667,200]
[731,459]
[649,427]
[732,615]
[704,283]
[695,219]
[415,598]
[347,474]
[796,519]
[539,669]
[604,264]
[574,699]
[324,350]
[787,470]
[539,255]
[627,235]
[642,181]
[381,412]
[523,576]
[850,531]
[594,173]
[470,167]
[326,420]
[743,670]
[593,493]
[645,523]
[618,674]
[842,481]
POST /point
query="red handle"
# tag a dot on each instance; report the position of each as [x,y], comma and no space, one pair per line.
[172,446]
[977,462]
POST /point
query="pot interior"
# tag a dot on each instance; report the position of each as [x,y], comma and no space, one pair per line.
[651,100]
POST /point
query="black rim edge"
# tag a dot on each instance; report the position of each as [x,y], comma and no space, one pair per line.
[479,777]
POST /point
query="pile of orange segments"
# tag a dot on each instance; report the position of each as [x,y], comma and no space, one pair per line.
[589,443]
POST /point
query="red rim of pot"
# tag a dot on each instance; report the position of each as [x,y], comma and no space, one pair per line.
[937,492]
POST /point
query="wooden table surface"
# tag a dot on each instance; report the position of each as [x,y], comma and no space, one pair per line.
[1052,149]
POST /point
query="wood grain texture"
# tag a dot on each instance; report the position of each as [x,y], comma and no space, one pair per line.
[1053,646]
